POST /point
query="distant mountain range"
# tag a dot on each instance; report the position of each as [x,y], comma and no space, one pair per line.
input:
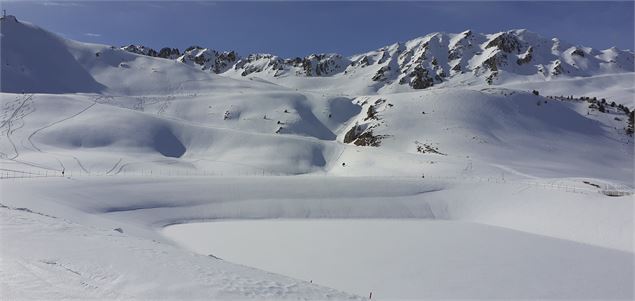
[422,62]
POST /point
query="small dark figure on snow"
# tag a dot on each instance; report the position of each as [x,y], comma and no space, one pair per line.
[343,164]
[62,173]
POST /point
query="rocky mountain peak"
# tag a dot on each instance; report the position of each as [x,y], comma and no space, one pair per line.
[420,63]
[166,52]
[505,41]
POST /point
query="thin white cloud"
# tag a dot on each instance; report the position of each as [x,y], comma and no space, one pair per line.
[93,35]
[62,3]
[151,4]
[207,3]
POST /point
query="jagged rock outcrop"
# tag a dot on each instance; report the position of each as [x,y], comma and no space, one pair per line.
[525,57]
[321,64]
[169,53]
[497,60]
[360,137]
[166,52]
[557,68]
[368,139]
[418,78]
[361,62]
[140,49]
[381,74]
[491,77]
[506,42]
[259,62]
[578,52]
[352,134]
[209,59]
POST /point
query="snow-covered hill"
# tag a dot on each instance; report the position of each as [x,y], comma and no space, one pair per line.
[510,129]
[32,59]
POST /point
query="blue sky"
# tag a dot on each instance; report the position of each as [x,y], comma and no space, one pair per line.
[300,28]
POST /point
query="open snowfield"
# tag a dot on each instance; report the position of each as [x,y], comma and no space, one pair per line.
[120,178]
[462,249]
[417,259]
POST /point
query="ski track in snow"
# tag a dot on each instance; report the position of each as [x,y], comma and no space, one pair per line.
[79,163]
[114,166]
[56,122]
[11,119]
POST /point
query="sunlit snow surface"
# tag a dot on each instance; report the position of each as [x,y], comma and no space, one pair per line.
[415,259]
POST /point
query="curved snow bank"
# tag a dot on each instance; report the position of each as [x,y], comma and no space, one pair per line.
[590,218]
[261,152]
[273,111]
[46,257]
[116,131]
[37,61]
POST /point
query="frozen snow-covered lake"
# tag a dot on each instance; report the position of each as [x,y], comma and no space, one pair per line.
[416,258]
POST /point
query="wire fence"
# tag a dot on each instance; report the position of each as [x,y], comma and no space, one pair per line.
[27,174]
[606,189]
[585,188]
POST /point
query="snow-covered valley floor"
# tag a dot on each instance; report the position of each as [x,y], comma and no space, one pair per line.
[398,237]
[417,259]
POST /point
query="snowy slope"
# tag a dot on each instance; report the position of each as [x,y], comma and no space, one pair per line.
[27,65]
[512,128]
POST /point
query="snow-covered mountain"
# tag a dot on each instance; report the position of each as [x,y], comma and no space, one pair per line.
[427,61]
[187,107]
[523,135]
